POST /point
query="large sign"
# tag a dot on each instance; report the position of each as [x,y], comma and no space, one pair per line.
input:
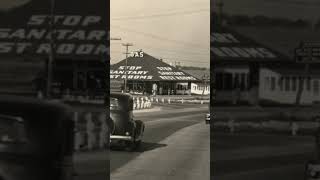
[165,73]
[308,52]
[75,28]
[227,45]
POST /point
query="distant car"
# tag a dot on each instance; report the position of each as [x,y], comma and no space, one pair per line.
[312,168]
[124,129]
[36,139]
[208,118]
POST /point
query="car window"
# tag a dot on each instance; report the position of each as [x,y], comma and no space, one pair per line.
[114,104]
[12,130]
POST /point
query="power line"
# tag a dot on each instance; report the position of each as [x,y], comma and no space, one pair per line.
[161,15]
[184,60]
[161,38]
[179,52]
[127,53]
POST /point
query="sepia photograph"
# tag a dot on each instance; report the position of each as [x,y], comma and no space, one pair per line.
[159,90]
[265,69]
[54,90]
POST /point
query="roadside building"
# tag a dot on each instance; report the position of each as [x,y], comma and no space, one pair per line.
[201,87]
[148,75]
[247,71]
[76,77]
[281,84]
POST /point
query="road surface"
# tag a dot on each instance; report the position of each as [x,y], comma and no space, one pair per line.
[176,146]
[261,156]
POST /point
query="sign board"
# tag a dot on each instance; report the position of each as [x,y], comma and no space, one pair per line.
[312,171]
[165,73]
[143,67]
[308,52]
[76,28]
[228,45]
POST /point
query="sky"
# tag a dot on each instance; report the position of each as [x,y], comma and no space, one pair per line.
[10,4]
[173,30]
[291,9]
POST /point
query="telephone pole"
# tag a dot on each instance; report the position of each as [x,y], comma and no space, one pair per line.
[220,5]
[127,52]
[51,53]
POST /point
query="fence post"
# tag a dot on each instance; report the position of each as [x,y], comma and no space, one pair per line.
[294,129]
[162,100]
[169,101]
[138,103]
[231,125]
[142,103]
[103,130]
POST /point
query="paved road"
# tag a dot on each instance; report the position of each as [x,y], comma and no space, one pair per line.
[92,166]
[259,156]
[176,146]
[253,155]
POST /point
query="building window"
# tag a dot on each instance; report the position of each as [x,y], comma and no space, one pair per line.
[287,84]
[236,81]
[294,83]
[219,81]
[308,84]
[281,83]
[273,84]
[316,87]
[243,82]
[267,83]
[227,81]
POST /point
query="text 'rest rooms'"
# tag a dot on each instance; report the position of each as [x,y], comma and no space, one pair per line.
[74,34]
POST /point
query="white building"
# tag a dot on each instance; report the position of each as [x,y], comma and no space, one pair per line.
[281,85]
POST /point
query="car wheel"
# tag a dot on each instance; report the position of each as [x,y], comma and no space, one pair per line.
[131,145]
[138,144]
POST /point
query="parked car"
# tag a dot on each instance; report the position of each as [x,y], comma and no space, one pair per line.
[208,118]
[123,128]
[36,139]
[312,169]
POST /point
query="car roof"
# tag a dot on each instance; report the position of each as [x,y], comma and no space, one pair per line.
[18,106]
[122,96]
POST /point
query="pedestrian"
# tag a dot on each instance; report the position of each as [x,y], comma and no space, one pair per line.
[77,133]
[103,131]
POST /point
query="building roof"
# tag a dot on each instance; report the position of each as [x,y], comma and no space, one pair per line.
[199,73]
[148,68]
[228,45]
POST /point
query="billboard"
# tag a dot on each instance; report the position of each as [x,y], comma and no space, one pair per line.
[76,29]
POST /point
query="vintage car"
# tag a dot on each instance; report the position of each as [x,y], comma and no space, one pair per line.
[312,169]
[124,129]
[208,118]
[36,139]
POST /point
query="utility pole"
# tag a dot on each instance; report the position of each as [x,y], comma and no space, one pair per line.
[115,39]
[205,79]
[51,53]
[127,52]
[220,5]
